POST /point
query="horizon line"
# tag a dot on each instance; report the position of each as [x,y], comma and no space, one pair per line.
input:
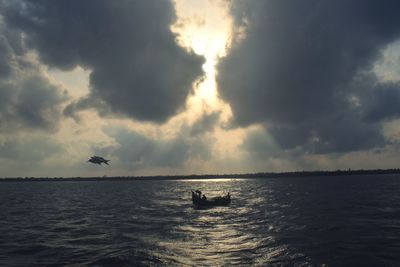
[209,176]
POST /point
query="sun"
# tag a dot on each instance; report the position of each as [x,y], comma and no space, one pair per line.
[204,27]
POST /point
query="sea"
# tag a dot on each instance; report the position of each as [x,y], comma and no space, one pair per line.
[287,221]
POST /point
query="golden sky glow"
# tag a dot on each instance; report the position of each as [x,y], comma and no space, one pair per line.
[204,27]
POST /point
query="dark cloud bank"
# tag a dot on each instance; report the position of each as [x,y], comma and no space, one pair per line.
[138,69]
[136,151]
[29,103]
[27,98]
[303,71]
[29,152]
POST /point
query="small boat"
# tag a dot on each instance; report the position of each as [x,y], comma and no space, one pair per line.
[203,201]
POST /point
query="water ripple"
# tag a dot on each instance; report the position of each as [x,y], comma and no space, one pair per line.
[287,221]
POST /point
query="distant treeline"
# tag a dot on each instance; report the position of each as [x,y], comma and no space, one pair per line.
[209,176]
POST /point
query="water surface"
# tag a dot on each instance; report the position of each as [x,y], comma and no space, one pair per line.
[302,221]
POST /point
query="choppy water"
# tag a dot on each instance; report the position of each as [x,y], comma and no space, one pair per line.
[328,221]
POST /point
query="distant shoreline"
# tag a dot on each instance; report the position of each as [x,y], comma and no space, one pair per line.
[208,176]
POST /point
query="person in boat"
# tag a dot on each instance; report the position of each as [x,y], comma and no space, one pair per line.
[198,193]
[204,197]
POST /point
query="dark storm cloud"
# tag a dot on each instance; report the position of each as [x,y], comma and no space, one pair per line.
[86,103]
[137,67]
[138,151]
[343,133]
[29,151]
[6,51]
[5,57]
[383,102]
[27,99]
[293,70]
[30,103]
[261,145]
[205,124]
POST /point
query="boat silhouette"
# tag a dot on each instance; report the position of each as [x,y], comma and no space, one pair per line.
[202,201]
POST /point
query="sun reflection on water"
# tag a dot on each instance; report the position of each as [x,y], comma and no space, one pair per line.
[221,235]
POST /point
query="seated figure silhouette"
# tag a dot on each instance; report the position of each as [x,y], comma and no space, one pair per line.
[200,200]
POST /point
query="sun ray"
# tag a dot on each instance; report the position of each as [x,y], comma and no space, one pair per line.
[204,27]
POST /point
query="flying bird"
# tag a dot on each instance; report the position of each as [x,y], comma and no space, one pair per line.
[98,160]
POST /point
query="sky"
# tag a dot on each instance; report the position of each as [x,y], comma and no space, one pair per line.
[198,87]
